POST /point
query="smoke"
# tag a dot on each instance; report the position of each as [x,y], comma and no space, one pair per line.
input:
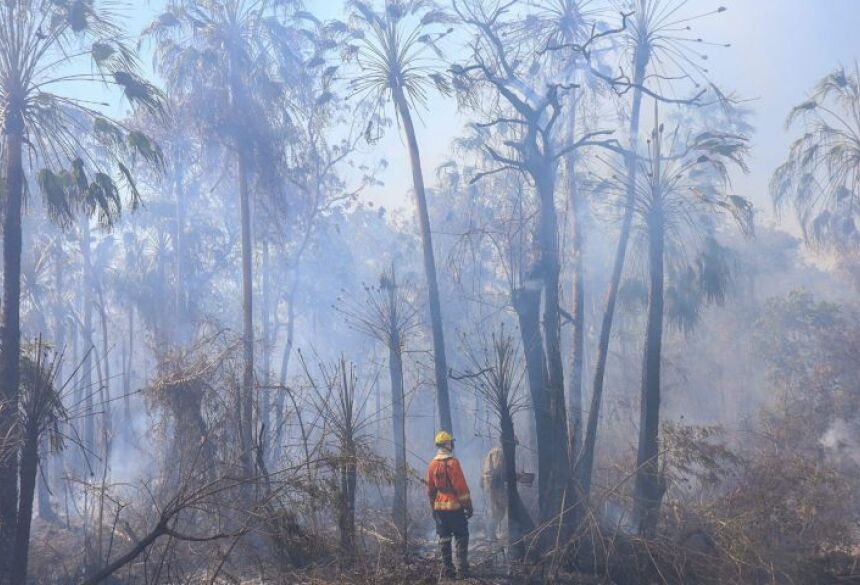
[840,442]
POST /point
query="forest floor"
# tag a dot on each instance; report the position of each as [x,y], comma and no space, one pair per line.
[488,567]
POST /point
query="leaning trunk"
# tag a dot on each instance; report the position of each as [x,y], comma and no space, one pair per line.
[649,487]
[441,366]
[585,463]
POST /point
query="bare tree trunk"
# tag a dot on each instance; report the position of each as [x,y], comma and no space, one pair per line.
[128,426]
[648,492]
[45,509]
[559,474]
[180,291]
[346,512]
[105,384]
[578,349]
[246,402]
[398,420]
[519,521]
[586,460]
[29,469]
[527,306]
[265,315]
[56,460]
[10,337]
[78,458]
[441,364]
[89,345]
[280,402]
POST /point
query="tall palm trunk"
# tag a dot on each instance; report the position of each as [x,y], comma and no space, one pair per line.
[441,365]
[585,463]
[648,491]
[10,339]
[247,392]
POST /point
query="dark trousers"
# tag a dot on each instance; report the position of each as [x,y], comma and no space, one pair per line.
[452,523]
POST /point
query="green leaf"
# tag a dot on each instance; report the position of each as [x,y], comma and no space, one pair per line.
[139,92]
[54,188]
[79,175]
[141,144]
[136,199]
[107,133]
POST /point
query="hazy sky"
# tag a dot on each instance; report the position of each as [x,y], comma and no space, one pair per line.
[780,49]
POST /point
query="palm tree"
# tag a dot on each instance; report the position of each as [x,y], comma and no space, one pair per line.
[659,49]
[821,178]
[495,374]
[41,411]
[48,49]
[392,53]
[680,192]
[387,315]
[227,53]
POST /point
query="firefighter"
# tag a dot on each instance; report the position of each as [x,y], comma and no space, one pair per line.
[451,504]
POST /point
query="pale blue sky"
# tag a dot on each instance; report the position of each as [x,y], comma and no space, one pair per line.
[780,48]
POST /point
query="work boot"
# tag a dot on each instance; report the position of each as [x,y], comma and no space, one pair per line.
[448,571]
[463,558]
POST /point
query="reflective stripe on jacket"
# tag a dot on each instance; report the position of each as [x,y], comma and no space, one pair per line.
[446,484]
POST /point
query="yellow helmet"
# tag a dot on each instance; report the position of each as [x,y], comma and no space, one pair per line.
[444,437]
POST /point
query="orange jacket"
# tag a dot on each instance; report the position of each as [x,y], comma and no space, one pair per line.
[446,484]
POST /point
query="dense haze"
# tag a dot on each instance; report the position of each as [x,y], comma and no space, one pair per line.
[257,253]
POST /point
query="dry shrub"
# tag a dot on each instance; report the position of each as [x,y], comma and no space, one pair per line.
[786,512]
[768,511]
[765,514]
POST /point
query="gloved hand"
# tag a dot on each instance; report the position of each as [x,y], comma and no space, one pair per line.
[469,511]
